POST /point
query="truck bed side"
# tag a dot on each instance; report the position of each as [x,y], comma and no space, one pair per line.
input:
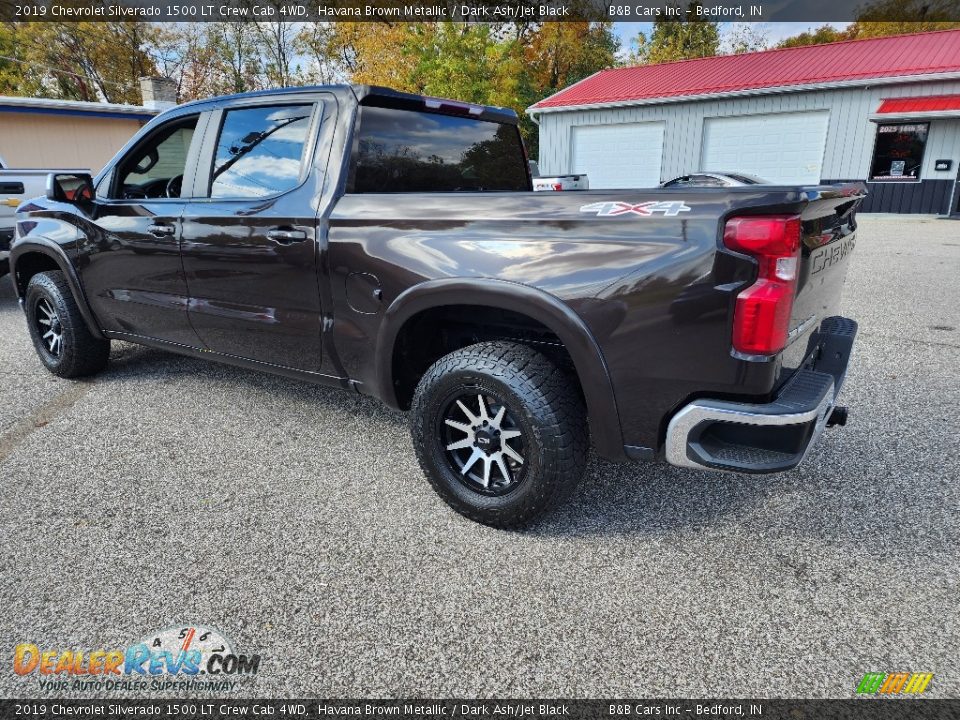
[644,269]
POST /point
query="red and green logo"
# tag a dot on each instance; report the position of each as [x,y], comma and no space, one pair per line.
[901,683]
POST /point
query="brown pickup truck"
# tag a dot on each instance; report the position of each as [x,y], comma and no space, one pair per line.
[391,244]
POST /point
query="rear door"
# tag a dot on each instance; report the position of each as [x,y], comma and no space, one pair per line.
[250,240]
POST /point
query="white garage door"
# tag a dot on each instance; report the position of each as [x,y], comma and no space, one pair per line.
[783,148]
[618,156]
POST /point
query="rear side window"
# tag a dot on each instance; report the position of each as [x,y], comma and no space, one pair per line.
[260,151]
[410,151]
[749,179]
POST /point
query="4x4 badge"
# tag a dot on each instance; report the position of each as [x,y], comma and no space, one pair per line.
[606,209]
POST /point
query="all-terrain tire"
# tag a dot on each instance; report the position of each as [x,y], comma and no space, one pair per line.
[78,352]
[547,425]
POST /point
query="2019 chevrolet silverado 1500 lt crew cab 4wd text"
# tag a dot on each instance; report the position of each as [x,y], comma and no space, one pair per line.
[391,244]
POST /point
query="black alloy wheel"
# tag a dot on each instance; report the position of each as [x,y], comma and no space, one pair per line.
[500,432]
[483,443]
[59,332]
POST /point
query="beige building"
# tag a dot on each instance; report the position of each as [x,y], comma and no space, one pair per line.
[46,133]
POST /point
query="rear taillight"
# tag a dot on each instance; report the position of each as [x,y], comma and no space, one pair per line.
[761,320]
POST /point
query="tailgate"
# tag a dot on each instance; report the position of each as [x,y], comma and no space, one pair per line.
[828,240]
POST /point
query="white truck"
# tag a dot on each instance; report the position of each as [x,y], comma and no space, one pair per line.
[17,185]
[554,183]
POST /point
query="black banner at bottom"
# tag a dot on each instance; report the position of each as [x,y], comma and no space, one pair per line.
[856,709]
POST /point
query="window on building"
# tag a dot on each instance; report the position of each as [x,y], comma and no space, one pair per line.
[260,151]
[898,152]
[410,151]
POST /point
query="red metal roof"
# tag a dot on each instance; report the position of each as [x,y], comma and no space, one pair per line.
[930,103]
[843,62]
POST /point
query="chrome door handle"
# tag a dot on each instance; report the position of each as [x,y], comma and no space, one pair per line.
[161,230]
[285,237]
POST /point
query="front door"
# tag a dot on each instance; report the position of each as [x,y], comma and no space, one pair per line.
[132,272]
[250,244]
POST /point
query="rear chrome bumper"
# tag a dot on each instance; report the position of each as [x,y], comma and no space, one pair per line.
[771,437]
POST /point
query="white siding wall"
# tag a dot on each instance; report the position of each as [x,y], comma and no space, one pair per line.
[850,134]
[943,143]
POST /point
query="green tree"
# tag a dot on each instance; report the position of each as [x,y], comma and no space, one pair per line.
[11,68]
[466,61]
[677,40]
[188,54]
[217,58]
[511,65]
[100,61]
[882,18]
[376,53]
[742,38]
[896,17]
[237,46]
[324,55]
[275,44]
[556,55]
[819,36]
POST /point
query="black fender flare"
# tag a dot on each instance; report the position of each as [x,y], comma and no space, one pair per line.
[54,251]
[541,306]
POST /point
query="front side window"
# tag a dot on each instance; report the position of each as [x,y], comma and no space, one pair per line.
[410,151]
[260,151]
[154,169]
[898,152]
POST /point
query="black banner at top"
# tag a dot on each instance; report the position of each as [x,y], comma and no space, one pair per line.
[495,11]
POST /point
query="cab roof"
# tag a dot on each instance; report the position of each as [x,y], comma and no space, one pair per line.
[379,96]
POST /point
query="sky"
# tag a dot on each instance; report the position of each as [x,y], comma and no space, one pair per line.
[775,31]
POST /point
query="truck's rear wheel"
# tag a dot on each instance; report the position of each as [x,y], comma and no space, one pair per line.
[500,432]
[59,333]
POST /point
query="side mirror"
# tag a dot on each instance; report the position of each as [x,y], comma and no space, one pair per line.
[70,187]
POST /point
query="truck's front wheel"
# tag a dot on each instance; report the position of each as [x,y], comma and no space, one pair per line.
[500,432]
[58,331]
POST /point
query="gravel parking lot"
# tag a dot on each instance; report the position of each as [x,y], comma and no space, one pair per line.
[294,519]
